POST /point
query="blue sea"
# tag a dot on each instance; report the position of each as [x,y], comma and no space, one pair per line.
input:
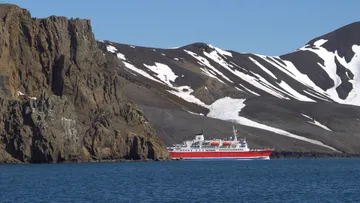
[321,180]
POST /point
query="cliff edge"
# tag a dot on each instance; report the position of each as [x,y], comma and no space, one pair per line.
[60,101]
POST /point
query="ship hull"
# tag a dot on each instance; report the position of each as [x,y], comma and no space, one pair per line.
[221,155]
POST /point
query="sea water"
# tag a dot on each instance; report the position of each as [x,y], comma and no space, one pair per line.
[315,180]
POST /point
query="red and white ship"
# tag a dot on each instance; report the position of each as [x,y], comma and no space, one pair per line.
[228,149]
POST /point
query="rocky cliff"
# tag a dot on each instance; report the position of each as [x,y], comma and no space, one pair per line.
[60,99]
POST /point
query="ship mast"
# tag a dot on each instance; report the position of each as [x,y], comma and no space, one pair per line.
[235,134]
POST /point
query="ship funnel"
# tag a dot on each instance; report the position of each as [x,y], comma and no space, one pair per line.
[199,138]
[202,132]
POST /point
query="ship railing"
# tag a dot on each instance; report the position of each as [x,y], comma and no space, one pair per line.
[261,149]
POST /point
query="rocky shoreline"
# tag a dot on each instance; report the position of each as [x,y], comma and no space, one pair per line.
[310,155]
[89,161]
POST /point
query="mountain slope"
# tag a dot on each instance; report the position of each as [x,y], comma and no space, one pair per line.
[303,96]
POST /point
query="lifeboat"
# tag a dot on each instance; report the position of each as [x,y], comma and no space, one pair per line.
[226,143]
[214,143]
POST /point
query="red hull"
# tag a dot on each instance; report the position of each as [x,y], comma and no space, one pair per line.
[221,155]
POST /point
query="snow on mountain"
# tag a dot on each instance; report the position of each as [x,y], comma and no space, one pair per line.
[204,79]
[228,109]
[111,48]
[209,70]
[220,51]
[353,66]
[288,68]
[317,123]
[223,66]
[331,68]
[272,85]
[163,72]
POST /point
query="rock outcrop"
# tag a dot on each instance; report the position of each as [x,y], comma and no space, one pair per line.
[60,100]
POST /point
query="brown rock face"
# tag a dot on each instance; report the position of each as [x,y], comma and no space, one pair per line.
[60,101]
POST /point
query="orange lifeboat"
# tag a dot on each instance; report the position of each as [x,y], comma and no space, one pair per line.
[226,143]
[214,143]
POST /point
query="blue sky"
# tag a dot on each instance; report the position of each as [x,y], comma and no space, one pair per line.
[260,26]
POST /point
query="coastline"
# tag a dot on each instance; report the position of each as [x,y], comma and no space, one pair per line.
[84,162]
[274,156]
[310,155]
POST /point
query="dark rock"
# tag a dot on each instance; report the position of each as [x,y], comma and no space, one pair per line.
[71,106]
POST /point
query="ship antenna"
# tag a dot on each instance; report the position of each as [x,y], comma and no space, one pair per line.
[235,133]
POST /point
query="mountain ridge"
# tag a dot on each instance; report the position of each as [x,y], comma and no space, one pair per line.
[201,78]
[354,25]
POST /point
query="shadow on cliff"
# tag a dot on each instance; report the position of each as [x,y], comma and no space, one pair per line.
[60,101]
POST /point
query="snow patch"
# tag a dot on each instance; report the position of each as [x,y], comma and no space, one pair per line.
[205,62]
[354,64]
[111,48]
[263,68]
[329,67]
[176,59]
[294,93]
[268,87]
[164,72]
[121,56]
[228,109]
[316,96]
[220,51]
[258,82]
[317,123]
[247,89]
[139,71]
[290,69]
[184,92]
[320,42]
[166,76]
[199,114]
